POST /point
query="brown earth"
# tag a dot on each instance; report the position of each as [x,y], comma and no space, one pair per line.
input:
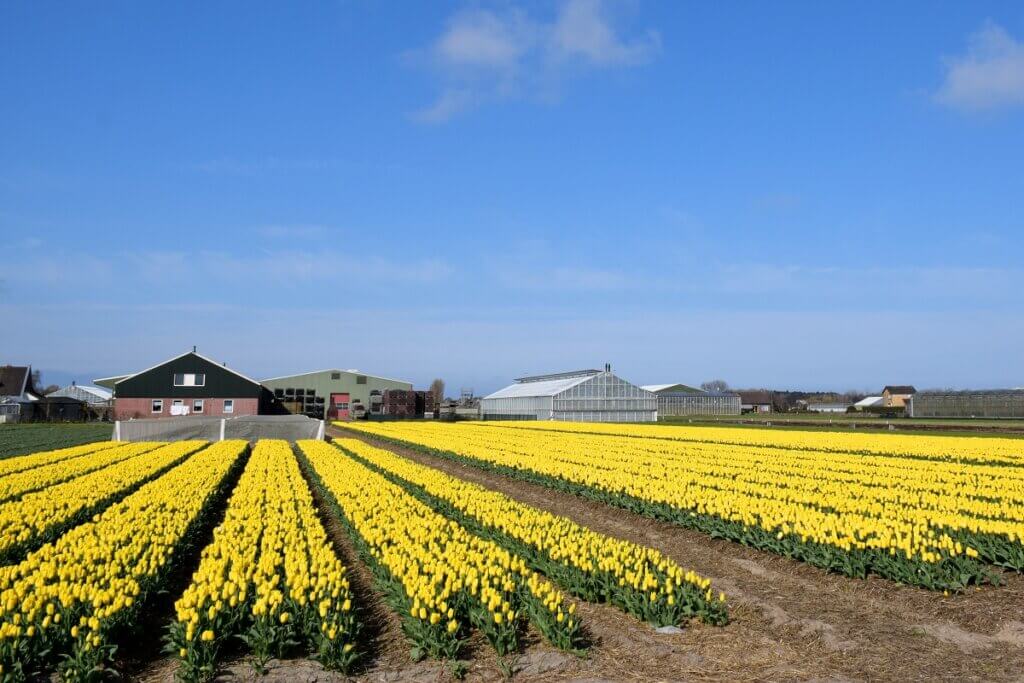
[789,621]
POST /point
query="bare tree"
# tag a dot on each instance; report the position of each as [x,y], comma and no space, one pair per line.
[437,390]
[715,385]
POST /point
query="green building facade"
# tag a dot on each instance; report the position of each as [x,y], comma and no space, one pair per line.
[333,394]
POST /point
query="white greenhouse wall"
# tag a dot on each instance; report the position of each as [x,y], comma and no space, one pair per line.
[601,398]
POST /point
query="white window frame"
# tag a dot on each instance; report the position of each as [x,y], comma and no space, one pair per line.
[197,405]
[156,406]
[189,379]
[229,406]
[178,402]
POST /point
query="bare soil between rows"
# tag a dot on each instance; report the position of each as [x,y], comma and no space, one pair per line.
[789,621]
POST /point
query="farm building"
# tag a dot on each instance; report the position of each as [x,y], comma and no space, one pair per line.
[17,393]
[829,407]
[189,384]
[991,403]
[869,402]
[334,394]
[95,396]
[897,395]
[759,401]
[580,396]
[58,409]
[676,400]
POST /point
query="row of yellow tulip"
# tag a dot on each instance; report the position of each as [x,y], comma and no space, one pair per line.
[989,449]
[269,576]
[854,514]
[27,462]
[71,597]
[26,481]
[930,487]
[440,578]
[40,517]
[591,565]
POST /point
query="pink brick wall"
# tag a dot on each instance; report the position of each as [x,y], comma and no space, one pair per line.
[127,408]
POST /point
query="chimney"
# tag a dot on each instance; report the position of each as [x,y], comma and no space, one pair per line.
[193,348]
[607,367]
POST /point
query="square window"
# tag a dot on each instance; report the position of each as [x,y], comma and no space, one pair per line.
[197,405]
[189,379]
[335,375]
[360,379]
[229,405]
[177,402]
[179,379]
[157,406]
[199,380]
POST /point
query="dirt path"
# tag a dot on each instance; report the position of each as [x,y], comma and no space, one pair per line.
[790,621]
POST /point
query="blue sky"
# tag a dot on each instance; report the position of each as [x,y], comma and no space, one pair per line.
[795,195]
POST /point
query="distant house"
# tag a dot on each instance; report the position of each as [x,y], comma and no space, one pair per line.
[759,401]
[189,384]
[17,393]
[897,395]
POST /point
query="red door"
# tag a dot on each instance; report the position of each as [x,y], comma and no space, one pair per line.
[338,409]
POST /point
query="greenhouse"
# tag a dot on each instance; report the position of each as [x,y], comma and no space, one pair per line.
[990,403]
[580,396]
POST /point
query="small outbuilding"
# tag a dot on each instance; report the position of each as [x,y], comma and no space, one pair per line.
[758,401]
[578,396]
[826,407]
[869,402]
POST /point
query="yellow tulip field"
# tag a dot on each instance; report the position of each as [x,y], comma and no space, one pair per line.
[937,512]
[595,567]
[71,601]
[441,579]
[235,539]
[227,551]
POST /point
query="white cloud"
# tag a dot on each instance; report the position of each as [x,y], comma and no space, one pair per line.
[583,30]
[989,76]
[490,55]
[480,38]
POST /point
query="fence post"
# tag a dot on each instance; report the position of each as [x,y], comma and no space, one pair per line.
[320,432]
[117,430]
[222,421]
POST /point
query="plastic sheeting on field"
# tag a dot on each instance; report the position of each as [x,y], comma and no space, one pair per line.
[248,427]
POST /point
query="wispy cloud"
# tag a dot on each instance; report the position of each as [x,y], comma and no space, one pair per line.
[989,76]
[281,268]
[257,166]
[492,55]
[286,232]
